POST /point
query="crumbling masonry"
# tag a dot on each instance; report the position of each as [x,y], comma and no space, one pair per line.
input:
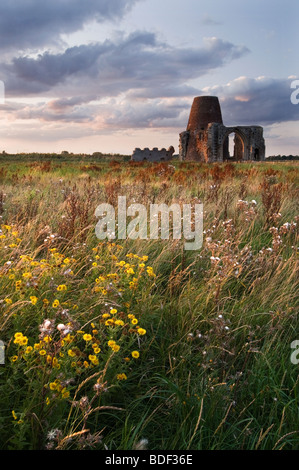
[207,139]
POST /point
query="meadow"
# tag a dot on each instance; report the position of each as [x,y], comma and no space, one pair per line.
[133,344]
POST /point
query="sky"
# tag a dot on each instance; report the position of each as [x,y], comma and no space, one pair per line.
[111,75]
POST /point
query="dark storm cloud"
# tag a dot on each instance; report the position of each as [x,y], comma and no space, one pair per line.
[260,100]
[137,62]
[35,23]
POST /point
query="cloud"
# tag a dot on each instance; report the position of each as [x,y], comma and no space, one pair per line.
[138,62]
[261,100]
[35,24]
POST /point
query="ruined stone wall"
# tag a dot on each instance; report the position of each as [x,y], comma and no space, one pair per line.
[154,155]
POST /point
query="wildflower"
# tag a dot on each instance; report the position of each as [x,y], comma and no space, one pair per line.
[28,350]
[130,271]
[55,304]
[121,377]
[65,393]
[141,331]
[27,275]
[66,261]
[113,311]
[135,354]
[87,337]
[42,352]
[33,299]
[8,301]
[62,287]
[14,415]
[134,321]
[119,323]
[93,359]
[111,343]
[14,358]
[71,353]
[53,386]
[116,348]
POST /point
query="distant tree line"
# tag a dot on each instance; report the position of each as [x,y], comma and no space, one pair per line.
[64,155]
[275,158]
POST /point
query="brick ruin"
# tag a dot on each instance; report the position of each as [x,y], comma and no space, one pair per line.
[206,138]
[154,155]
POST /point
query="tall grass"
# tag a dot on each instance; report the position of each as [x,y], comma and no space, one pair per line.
[212,369]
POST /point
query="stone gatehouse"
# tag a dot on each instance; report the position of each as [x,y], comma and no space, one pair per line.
[206,138]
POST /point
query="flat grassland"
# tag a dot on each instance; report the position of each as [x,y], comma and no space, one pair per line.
[139,343]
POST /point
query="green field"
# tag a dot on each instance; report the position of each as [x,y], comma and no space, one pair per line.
[132,343]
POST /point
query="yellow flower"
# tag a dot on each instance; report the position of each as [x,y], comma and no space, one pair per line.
[8,301]
[14,414]
[46,301]
[71,353]
[33,299]
[113,311]
[119,322]
[121,263]
[42,352]
[111,343]
[121,377]
[27,275]
[97,350]
[141,331]
[23,341]
[62,287]
[141,265]
[55,304]
[28,350]
[65,393]
[130,271]
[93,359]
[47,401]
[53,386]
[116,348]
[134,321]
[66,261]
[135,354]
[14,358]
[94,264]
[87,337]
[106,315]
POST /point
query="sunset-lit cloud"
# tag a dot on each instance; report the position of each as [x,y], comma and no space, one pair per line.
[132,76]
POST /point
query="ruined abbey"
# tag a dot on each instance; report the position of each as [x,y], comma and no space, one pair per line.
[206,138]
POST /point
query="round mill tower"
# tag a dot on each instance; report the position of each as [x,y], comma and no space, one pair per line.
[204,111]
